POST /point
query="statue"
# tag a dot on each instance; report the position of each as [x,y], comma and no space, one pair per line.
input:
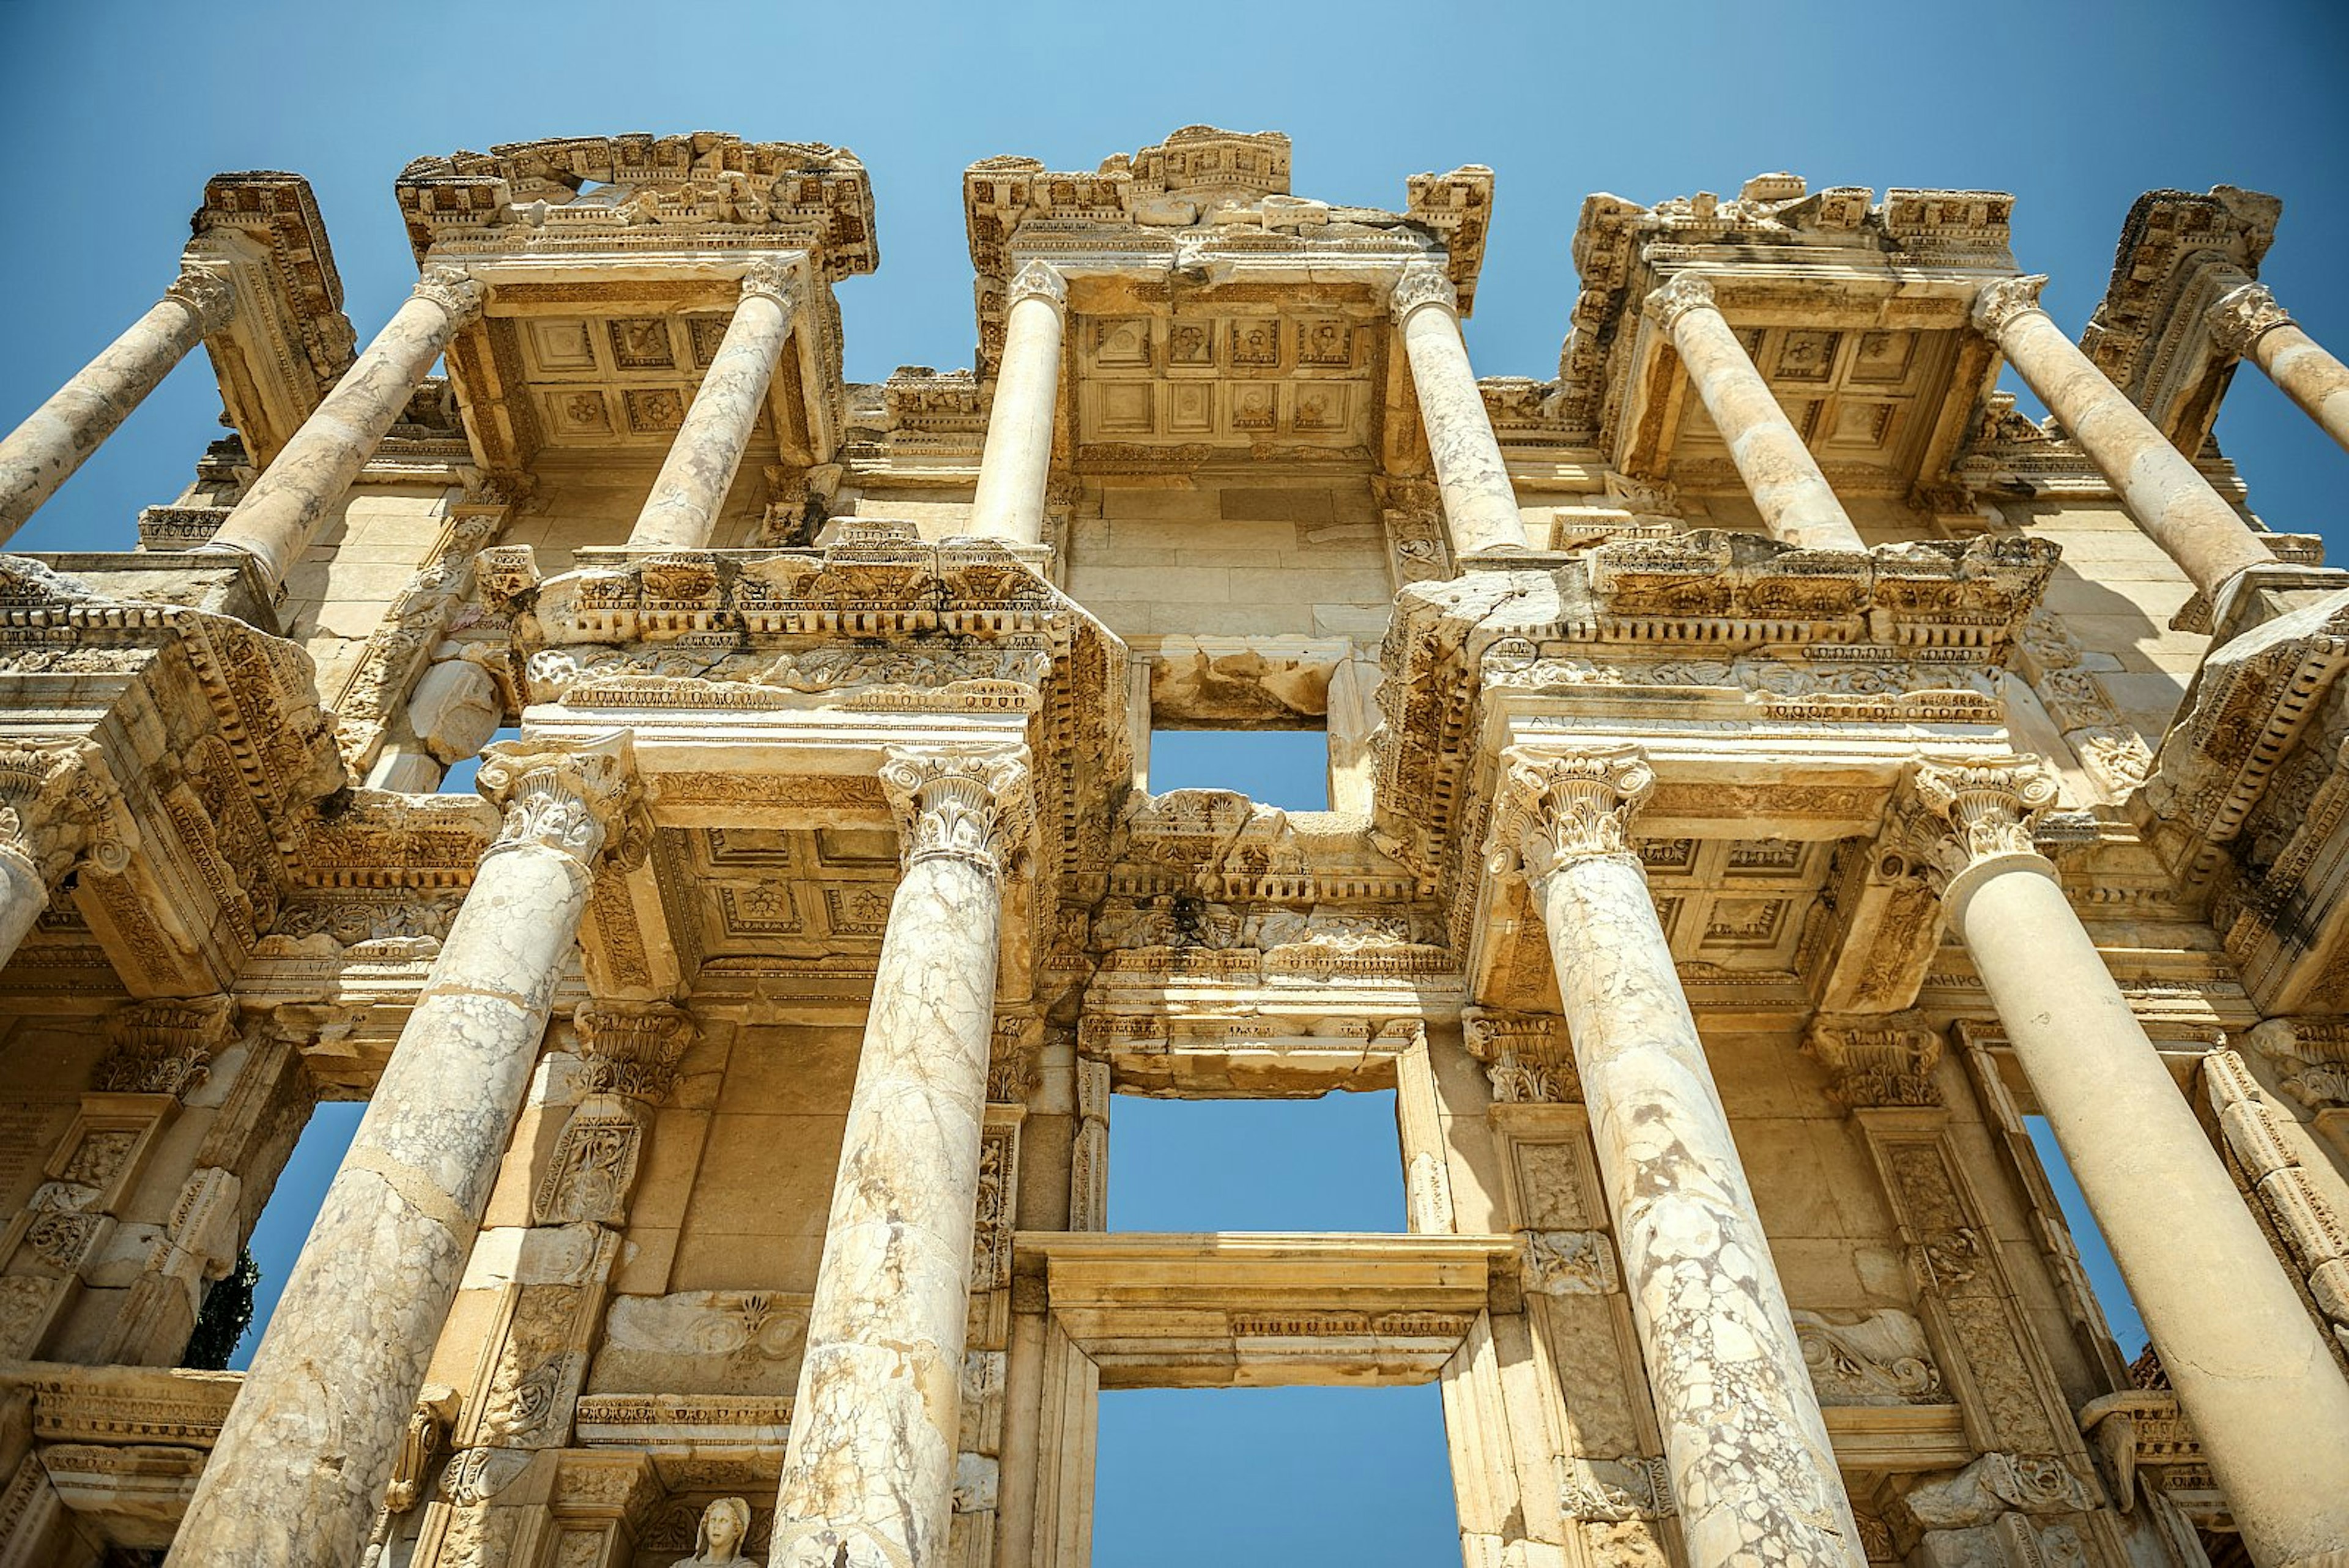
[717,1542]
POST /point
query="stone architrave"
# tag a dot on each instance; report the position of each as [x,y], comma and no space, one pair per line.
[59,804]
[1480,505]
[1788,489]
[43,453]
[287,505]
[2247,322]
[699,469]
[302,1460]
[1015,465]
[1750,1464]
[869,1476]
[2170,500]
[2264,1397]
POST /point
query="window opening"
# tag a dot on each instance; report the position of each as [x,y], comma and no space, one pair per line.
[1286,768]
[291,1210]
[1357,1476]
[1330,1164]
[2104,1274]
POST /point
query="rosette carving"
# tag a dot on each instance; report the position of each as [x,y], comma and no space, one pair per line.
[973,806]
[580,797]
[1565,805]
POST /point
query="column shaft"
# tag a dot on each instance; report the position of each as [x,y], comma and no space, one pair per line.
[283,512]
[43,453]
[683,507]
[2170,500]
[1793,495]
[303,1458]
[868,1476]
[2246,321]
[1751,1463]
[1017,462]
[23,895]
[2271,1409]
[1480,505]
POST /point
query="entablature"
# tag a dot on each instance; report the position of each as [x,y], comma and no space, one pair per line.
[613,266]
[288,342]
[1853,311]
[2178,253]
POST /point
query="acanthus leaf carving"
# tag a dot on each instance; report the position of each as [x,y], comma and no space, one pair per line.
[970,803]
[1563,806]
[579,797]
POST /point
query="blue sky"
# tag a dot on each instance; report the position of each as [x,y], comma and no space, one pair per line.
[120,112]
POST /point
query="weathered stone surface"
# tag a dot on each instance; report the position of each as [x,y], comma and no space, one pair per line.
[734,1180]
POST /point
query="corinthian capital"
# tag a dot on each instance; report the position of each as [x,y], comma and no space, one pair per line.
[2240,315]
[632,1048]
[1564,805]
[581,798]
[971,803]
[1989,807]
[775,279]
[60,803]
[1998,304]
[210,298]
[1686,291]
[1422,282]
[1041,280]
[455,291]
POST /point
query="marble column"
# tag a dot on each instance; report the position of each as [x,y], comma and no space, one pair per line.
[1017,462]
[43,453]
[1779,472]
[2247,322]
[686,497]
[1480,505]
[2170,500]
[59,805]
[868,1477]
[2264,1397]
[1747,1447]
[302,1460]
[283,511]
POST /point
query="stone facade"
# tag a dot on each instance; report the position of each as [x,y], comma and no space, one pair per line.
[1765,768]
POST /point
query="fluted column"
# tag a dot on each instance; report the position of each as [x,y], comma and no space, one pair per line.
[1480,505]
[43,453]
[2170,500]
[2264,1397]
[59,804]
[1017,462]
[694,479]
[868,1477]
[281,515]
[1747,1447]
[303,1458]
[2247,322]
[1795,502]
